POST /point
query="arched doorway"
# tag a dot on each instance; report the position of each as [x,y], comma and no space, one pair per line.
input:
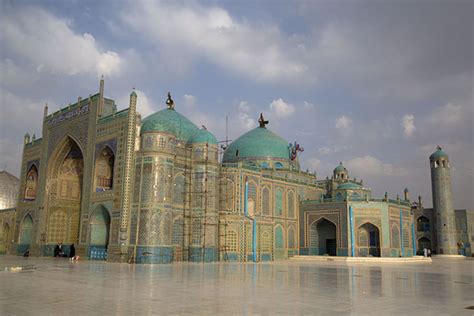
[4,238]
[323,238]
[99,234]
[423,243]
[368,240]
[26,235]
[65,179]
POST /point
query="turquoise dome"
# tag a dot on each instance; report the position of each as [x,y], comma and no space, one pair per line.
[340,168]
[439,153]
[259,143]
[203,136]
[348,186]
[170,121]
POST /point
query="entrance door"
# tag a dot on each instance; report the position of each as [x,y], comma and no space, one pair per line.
[99,234]
[331,247]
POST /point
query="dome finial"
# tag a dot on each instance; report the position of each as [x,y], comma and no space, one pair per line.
[262,121]
[438,147]
[170,102]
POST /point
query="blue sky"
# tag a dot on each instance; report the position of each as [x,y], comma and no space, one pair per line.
[375,85]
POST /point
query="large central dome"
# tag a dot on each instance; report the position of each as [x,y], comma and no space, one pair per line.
[258,144]
[170,121]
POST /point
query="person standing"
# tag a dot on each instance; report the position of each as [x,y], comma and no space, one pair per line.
[72,252]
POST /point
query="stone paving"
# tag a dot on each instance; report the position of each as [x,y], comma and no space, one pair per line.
[60,287]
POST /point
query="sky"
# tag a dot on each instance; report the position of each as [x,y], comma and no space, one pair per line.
[376,85]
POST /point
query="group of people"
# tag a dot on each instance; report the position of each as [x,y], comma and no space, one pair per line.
[59,252]
[426,252]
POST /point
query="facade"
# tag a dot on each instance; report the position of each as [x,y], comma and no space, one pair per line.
[153,190]
[347,221]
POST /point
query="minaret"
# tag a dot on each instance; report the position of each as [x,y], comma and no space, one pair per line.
[101,97]
[443,203]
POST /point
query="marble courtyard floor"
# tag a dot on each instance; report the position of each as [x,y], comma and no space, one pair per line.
[59,287]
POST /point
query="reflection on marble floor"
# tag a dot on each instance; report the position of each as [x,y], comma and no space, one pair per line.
[286,287]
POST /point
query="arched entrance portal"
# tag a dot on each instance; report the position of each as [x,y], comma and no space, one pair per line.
[323,238]
[26,235]
[99,234]
[423,243]
[368,240]
[65,179]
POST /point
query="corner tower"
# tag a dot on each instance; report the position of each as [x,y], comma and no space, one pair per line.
[443,203]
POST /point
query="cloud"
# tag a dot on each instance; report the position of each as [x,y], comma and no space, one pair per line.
[408,124]
[371,166]
[343,126]
[308,105]
[189,100]
[447,116]
[244,118]
[51,45]
[281,109]
[260,52]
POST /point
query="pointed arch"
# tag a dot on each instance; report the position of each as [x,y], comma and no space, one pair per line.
[26,230]
[31,185]
[395,236]
[323,237]
[279,238]
[423,224]
[368,239]
[104,169]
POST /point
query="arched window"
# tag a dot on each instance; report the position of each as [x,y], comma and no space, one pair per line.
[339,197]
[279,244]
[264,165]
[104,169]
[231,240]
[252,199]
[265,244]
[278,202]
[31,183]
[291,204]
[178,192]
[423,224]
[278,165]
[266,201]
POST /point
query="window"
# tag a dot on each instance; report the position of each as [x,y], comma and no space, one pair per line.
[31,183]
[278,203]
[104,169]
[291,204]
[266,201]
[279,238]
[162,142]
[423,224]
[278,165]
[265,242]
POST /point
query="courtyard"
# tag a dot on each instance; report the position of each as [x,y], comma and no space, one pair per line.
[56,286]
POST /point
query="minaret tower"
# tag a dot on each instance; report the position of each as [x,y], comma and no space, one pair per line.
[443,203]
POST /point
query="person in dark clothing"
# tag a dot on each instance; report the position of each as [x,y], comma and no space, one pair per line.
[56,251]
[72,252]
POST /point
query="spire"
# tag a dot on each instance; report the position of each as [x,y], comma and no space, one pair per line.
[45,111]
[101,96]
[170,102]
[262,121]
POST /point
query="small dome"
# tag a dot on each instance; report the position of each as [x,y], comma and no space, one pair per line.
[203,136]
[133,94]
[340,168]
[170,121]
[9,186]
[439,153]
[259,143]
[349,186]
